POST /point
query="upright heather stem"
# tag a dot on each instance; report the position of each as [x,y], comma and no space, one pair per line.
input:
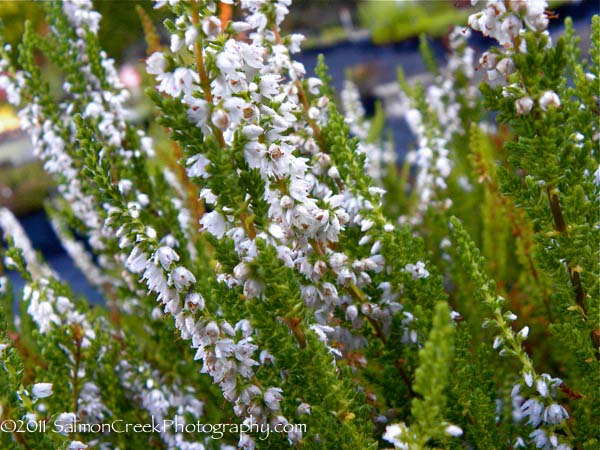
[355,291]
[204,79]
[561,227]
[78,338]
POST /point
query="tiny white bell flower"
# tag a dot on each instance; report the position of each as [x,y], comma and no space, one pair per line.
[453,430]
[182,278]
[42,390]
[524,105]
[549,98]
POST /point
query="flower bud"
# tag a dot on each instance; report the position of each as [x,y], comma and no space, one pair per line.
[549,98]
[352,313]
[220,119]
[524,105]
[211,26]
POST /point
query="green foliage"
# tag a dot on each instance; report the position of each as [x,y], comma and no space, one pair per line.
[433,376]
[392,22]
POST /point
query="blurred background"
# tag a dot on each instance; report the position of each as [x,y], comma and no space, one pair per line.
[364,40]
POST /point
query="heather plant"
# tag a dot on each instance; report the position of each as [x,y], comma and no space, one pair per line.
[273,273]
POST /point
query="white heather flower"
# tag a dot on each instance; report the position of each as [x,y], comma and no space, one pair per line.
[214,223]
[156,64]
[534,409]
[212,331]
[313,113]
[220,119]
[77,445]
[198,108]
[453,430]
[314,84]
[523,333]
[555,414]
[352,313]
[506,66]
[197,165]
[272,398]
[542,387]
[337,261]
[393,433]
[241,271]
[489,60]
[524,105]
[303,408]
[269,85]
[539,438]
[176,43]
[265,357]
[137,260]
[497,342]
[295,42]
[240,27]
[182,278]
[366,225]
[42,390]
[528,376]
[252,131]
[194,301]
[536,17]
[209,197]
[549,98]
[191,35]
[597,176]
[211,26]
[43,314]
[417,270]
[183,80]
[166,255]
[511,25]
[151,232]
[321,331]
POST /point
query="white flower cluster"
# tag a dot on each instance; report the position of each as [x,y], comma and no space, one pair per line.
[507,22]
[379,155]
[432,157]
[543,413]
[163,400]
[227,351]
[98,100]
[253,93]
[354,111]
[541,408]
[48,310]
